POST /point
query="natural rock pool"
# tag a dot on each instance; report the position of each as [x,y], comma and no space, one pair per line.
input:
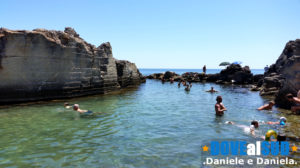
[152,125]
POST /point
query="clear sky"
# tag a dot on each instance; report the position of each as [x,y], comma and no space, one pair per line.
[169,33]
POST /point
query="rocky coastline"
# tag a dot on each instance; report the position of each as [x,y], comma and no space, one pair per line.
[47,64]
[281,78]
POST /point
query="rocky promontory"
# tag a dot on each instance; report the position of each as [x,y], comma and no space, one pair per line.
[232,74]
[45,64]
[283,77]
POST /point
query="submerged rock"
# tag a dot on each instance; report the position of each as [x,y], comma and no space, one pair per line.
[46,64]
[283,76]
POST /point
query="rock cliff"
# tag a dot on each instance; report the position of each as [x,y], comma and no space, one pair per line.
[43,64]
[284,76]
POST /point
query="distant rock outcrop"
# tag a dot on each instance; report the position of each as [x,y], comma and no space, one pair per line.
[234,73]
[43,64]
[284,76]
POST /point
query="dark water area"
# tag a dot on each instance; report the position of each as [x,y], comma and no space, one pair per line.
[145,71]
[152,125]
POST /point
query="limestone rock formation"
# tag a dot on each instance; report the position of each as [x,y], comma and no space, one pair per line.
[284,76]
[46,64]
[128,74]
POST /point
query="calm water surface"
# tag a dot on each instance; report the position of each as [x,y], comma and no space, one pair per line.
[153,125]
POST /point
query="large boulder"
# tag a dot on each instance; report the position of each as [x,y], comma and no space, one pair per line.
[46,64]
[284,74]
[235,73]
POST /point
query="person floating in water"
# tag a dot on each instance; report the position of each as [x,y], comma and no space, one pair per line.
[67,105]
[268,106]
[247,129]
[219,107]
[282,121]
[81,112]
[295,100]
[211,90]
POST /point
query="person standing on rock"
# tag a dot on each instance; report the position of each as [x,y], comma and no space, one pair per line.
[204,69]
[219,107]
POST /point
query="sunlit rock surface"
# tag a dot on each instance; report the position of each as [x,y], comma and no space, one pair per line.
[46,64]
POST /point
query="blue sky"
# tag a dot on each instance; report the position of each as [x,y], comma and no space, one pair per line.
[169,33]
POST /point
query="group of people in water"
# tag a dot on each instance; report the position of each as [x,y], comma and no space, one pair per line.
[278,136]
[188,85]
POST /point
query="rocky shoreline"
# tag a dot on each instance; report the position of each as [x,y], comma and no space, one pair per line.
[46,64]
[281,78]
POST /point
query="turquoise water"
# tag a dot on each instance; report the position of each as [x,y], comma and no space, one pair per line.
[152,125]
[146,71]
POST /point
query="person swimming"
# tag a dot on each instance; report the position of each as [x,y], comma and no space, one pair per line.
[268,106]
[219,107]
[67,105]
[81,112]
[247,129]
[187,88]
[282,121]
[211,90]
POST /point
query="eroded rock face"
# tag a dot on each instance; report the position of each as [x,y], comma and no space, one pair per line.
[128,74]
[43,64]
[284,76]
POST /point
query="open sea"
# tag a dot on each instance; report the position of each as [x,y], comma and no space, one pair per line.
[151,125]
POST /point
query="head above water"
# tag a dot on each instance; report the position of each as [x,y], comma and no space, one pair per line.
[254,123]
[272,103]
[75,106]
[66,104]
[219,99]
[282,120]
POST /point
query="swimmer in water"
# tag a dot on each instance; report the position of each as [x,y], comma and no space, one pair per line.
[267,106]
[282,121]
[187,88]
[67,105]
[219,107]
[211,90]
[248,129]
[76,108]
